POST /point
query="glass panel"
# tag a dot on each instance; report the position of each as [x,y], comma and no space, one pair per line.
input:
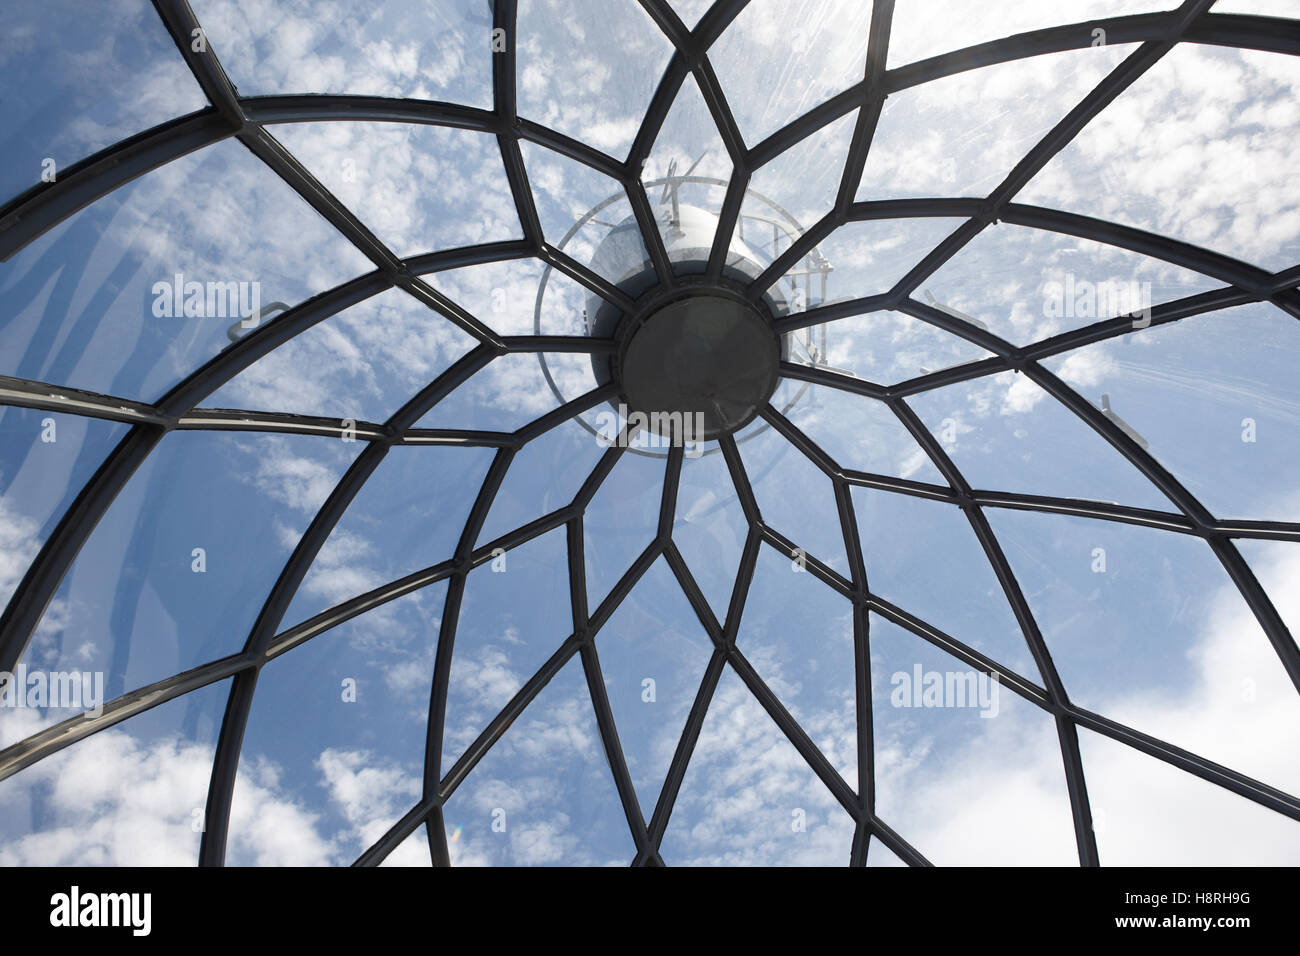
[1216,399]
[794,496]
[749,799]
[418,188]
[338,725]
[512,391]
[688,167]
[621,520]
[882,347]
[588,68]
[1146,628]
[862,433]
[586,214]
[544,794]
[798,634]
[866,258]
[800,184]
[414,850]
[545,475]
[653,654]
[880,855]
[140,288]
[514,616]
[1007,434]
[85,76]
[961,135]
[433,51]
[923,556]
[1147,813]
[408,515]
[362,364]
[778,60]
[925,28]
[1218,125]
[167,580]
[709,528]
[1027,284]
[690,11]
[504,296]
[966,771]
[45,460]
[131,795]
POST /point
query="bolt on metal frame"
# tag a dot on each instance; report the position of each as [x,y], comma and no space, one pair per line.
[31,214]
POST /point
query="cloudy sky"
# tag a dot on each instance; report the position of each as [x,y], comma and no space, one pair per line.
[1144,626]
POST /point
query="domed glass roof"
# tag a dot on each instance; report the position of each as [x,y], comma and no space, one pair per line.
[346,518]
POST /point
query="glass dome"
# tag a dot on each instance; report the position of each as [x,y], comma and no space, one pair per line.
[351,494]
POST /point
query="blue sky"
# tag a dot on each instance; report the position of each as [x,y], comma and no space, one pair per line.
[1200,148]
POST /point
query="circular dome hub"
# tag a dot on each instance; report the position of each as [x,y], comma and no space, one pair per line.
[712,356]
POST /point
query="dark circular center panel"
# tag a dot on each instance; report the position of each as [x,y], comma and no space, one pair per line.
[711,357]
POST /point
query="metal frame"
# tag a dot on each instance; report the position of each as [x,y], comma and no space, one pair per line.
[249,119]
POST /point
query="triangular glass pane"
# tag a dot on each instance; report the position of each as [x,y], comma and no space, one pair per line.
[514,616]
[621,520]
[512,391]
[175,573]
[961,135]
[1217,124]
[709,528]
[419,188]
[653,653]
[520,297]
[78,99]
[778,60]
[46,459]
[140,288]
[690,11]
[923,557]
[413,851]
[865,258]
[880,855]
[749,798]
[339,723]
[70,810]
[882,347]
[1146,628]
[861,433]
[585,214]
[544,475]
[1027,284]
[794,496]
[1148,813]
[425,51]
[968,772]
[926,28]
[589,68]
[685,179]
[1216,399]
[544,794]
[1007,434]
[408,515]
[795,189]
[798,634]
[362,364]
